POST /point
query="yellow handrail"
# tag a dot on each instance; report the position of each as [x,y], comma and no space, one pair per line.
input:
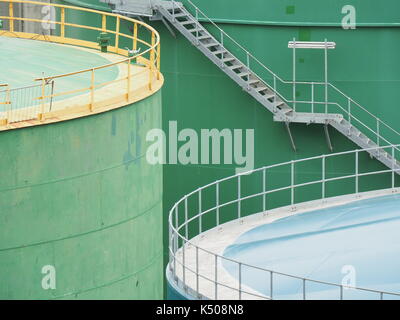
[152,63]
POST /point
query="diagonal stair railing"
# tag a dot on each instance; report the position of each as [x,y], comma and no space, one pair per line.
[346,115]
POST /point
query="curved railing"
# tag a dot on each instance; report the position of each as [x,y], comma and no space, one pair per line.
[323,97]
[137,41]
[198,270]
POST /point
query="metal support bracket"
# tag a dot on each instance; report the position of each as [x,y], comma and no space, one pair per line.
[287,124]
[328,137]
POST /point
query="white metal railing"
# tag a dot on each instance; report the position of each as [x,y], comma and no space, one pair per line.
[205,209]
[354,112]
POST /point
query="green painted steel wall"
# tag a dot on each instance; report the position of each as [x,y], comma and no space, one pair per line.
[198,95]
[80,195]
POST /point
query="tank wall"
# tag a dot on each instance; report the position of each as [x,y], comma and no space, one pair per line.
[80,196]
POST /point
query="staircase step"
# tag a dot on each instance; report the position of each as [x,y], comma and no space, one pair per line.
[252,81]
[269,96]
[212,44]
[236,66]
[244,74]
[204,37]
[188,22]
[181,15]
[229,59]
[278,103]
[219,52]
[261,89]
[195,30]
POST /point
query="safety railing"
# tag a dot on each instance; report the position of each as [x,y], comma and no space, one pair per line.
[199,271]
[138,71]
[329,100]
[25,103]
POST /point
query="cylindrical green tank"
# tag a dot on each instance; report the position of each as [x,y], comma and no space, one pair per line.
[80,203]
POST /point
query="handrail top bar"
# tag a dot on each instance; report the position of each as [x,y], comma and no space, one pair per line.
[311,45]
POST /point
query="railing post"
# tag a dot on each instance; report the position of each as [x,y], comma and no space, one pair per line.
[349,109]
[153,41]
[326,76]
[393,169]
[159,61]
[323,176]
[294,75]
[275,93]
[356,173]
[117,35]
[128,84]
[240,281]
[62,23]
[184,264]
[176,239]
[312,97]
[292,183]
[264,190]
[248,69]
[197,271]
[271,284]
[217,202]
[103,22]
[173,11]
[186,219]
[135,34]
[200,214]
[239,198]
[216,277]
[8,104]
[378,131]
[197,31]
[92,91]
[304,289]
[41,114]
[341,292]
[11,15]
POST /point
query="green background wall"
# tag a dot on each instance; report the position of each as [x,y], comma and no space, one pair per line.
[80,195]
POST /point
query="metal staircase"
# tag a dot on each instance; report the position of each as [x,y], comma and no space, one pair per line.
[190,27]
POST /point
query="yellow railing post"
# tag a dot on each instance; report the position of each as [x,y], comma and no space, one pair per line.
[92,91]
[11,15]
[158,61]
[135,33]
[62,23]
[104,23]
[41,113]
[8,104]
[151,67]
[117,35]
[128,95]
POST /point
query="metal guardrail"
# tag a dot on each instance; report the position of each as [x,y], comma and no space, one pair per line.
[187,220]
[144,40]
[24,103]
[352,110]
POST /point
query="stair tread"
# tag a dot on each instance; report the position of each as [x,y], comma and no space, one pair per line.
[219,51]
[187,22]
[228,59]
